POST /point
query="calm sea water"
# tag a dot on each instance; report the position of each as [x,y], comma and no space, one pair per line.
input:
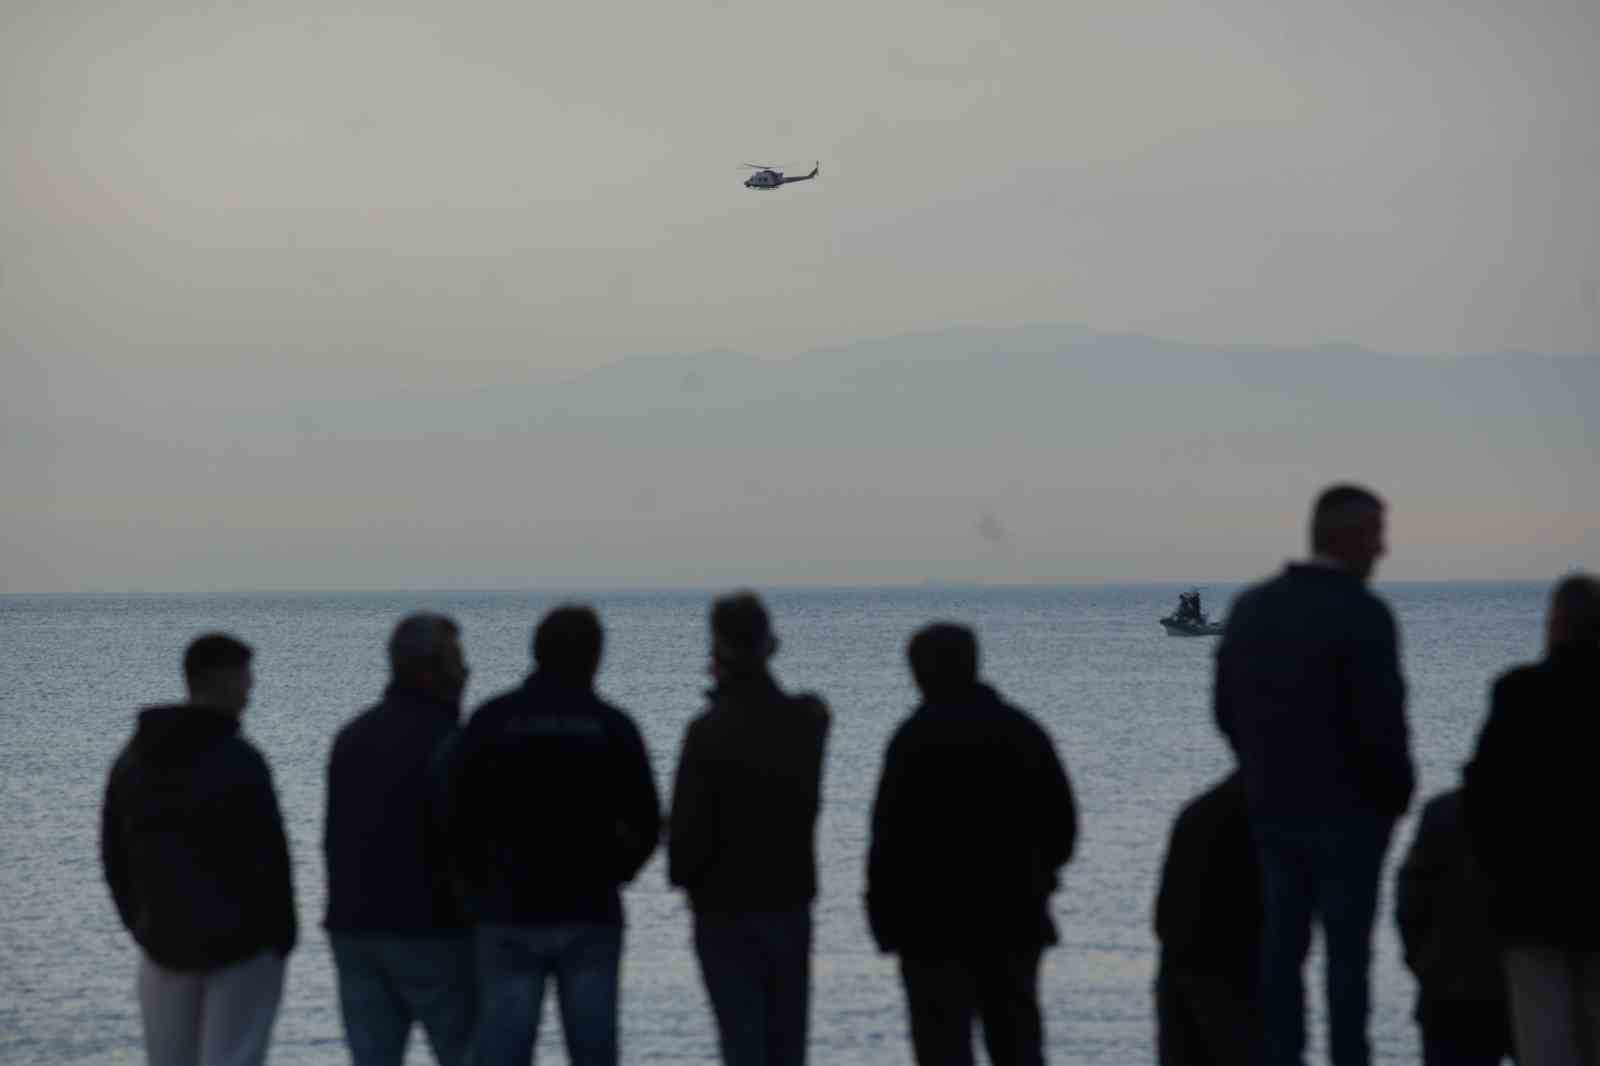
[1128,706]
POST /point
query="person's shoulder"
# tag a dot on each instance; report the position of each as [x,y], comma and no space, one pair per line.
[360,723]
[1442,809]
[1221,799]
[615,714]
[1520,678]
[1018,718]
[1258,595]
[243,759]
[1369,603]
[812,707]
[496,707]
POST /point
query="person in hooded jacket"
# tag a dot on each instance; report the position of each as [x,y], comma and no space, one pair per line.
[743,840]
[401,943]
[193,849]
[973,821]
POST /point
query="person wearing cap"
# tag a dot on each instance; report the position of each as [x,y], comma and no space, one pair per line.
[742,839]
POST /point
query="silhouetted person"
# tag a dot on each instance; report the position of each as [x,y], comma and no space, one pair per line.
[194,851]
[1309,693]
[1208,919]
[742,841]
[1533,817]
[401,943]
[973,820]
[554,809]
[1442,908]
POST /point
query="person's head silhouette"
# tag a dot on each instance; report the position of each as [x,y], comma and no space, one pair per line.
[944,659]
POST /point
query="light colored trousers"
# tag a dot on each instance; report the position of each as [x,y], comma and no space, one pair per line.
[1555,1006]
[217,1018]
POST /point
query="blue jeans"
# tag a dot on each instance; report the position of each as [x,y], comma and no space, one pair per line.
[513,963]
[387,983]
[1325,869]
[757,970]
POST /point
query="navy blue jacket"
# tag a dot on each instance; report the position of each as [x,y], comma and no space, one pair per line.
[745,800]
[553,806]
[973,819]
[1531,802]
[384,842]
[1308,692]
[192,842]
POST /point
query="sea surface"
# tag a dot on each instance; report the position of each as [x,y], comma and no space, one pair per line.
[1128,706]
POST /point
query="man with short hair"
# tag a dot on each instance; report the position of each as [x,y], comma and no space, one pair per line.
[743,840]
[1532,818]
[1309,694]
[555,808]
[193,848]
[401,943]
[974,819]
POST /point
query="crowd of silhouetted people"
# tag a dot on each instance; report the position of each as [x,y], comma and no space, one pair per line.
[469,863]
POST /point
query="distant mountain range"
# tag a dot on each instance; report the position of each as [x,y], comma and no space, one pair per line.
[1029,454]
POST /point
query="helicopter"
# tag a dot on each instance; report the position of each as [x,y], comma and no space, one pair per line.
[766,177]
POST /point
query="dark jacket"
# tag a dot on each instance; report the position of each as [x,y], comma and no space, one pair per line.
[1208,908]
[1442,909]
[384,841]
[553,806]
[1531,802]
[745,800]
[193,845]
[1308,692]
[973,819]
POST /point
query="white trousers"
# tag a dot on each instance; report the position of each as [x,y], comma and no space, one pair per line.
[1555,1006]
[218,1018]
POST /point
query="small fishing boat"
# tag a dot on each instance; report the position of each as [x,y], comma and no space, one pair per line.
[1189,620]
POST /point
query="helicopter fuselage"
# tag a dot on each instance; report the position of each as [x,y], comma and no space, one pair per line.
[767,178]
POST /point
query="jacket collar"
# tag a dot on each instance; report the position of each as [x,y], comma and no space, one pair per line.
[1319,569]
[745,687]
[399,693]
[546,683]
[978,696]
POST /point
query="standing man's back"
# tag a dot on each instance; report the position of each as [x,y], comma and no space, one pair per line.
[1309,693]
[554,809]
[743,829]
[194,850]
[973,820]
[401,944]
[1532,815]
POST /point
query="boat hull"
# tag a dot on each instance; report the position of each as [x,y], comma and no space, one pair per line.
[1190,629]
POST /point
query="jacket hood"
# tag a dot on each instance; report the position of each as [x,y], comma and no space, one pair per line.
[178,731]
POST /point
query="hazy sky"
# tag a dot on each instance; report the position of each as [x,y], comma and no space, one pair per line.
[252,206]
